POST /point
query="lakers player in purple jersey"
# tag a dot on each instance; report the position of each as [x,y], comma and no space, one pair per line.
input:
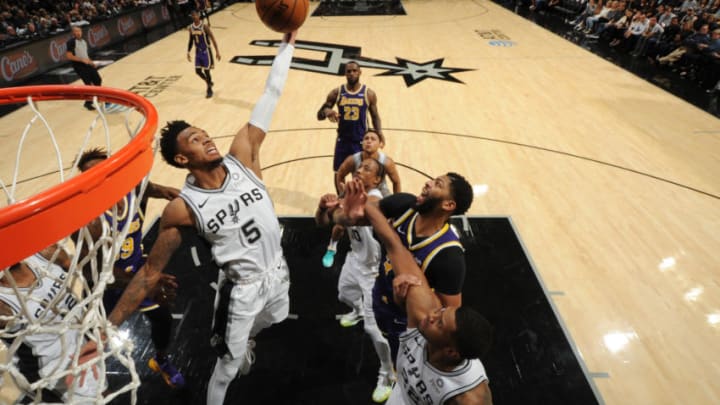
[129,261]
[354,101]
[422,224]
[200,37]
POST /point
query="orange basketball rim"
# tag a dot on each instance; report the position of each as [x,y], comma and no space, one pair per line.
[31,224]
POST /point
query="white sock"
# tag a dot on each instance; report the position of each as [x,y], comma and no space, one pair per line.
[332,245]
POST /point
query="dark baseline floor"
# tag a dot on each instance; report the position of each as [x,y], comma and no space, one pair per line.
[312,360]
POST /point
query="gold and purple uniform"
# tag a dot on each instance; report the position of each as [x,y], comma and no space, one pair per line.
[440,256]
[353,123]
[203,54]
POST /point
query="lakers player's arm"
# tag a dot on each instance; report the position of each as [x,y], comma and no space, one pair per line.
[326,110]
[392,173]
[419,300]
[155,190]
[373,109]
[210,35]
[246,144]
[190,44]
[479,395]
[175,216]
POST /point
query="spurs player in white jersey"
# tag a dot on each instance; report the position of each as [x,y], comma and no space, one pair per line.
[371,145]
[225,199]
[438,360]
[358,273]
[44,354]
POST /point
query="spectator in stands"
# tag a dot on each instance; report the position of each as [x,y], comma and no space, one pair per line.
[589,11]
[665,17]
[600,17]
[689,16]
[689,5]
[653,31]
[709,63]
[669,40]
[613,30]
[637,28]
[690,44]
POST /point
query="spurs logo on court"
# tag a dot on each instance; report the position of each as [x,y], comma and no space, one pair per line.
[334,57]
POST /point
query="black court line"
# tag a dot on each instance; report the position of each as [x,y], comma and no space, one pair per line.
[420,172]
[543,149]
[476,137]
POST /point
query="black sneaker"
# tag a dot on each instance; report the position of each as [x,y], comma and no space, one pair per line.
[209,93]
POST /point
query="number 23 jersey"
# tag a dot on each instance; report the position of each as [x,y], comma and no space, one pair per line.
[238,220]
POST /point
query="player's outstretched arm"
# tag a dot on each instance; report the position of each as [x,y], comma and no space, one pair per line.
[326,110]
[175,215]
[155,190]
[246,145]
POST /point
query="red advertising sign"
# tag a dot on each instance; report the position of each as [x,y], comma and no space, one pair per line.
[18,65]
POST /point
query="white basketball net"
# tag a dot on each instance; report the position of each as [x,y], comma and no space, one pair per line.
[58,311]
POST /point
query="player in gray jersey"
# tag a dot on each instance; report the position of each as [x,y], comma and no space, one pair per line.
[438,361]
[372,142]
[226,201]
[358,273]
[45,300]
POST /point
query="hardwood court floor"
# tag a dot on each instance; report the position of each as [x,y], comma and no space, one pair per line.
[611,183]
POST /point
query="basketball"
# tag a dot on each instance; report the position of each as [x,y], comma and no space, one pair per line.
[282,15]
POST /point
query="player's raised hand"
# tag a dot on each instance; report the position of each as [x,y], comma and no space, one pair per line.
[290,37]
[354,200]
[401,285]
[328,202]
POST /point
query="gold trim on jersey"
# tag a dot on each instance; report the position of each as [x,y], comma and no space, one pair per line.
[435,251]
[403,217]
[428,240]
[125,207]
